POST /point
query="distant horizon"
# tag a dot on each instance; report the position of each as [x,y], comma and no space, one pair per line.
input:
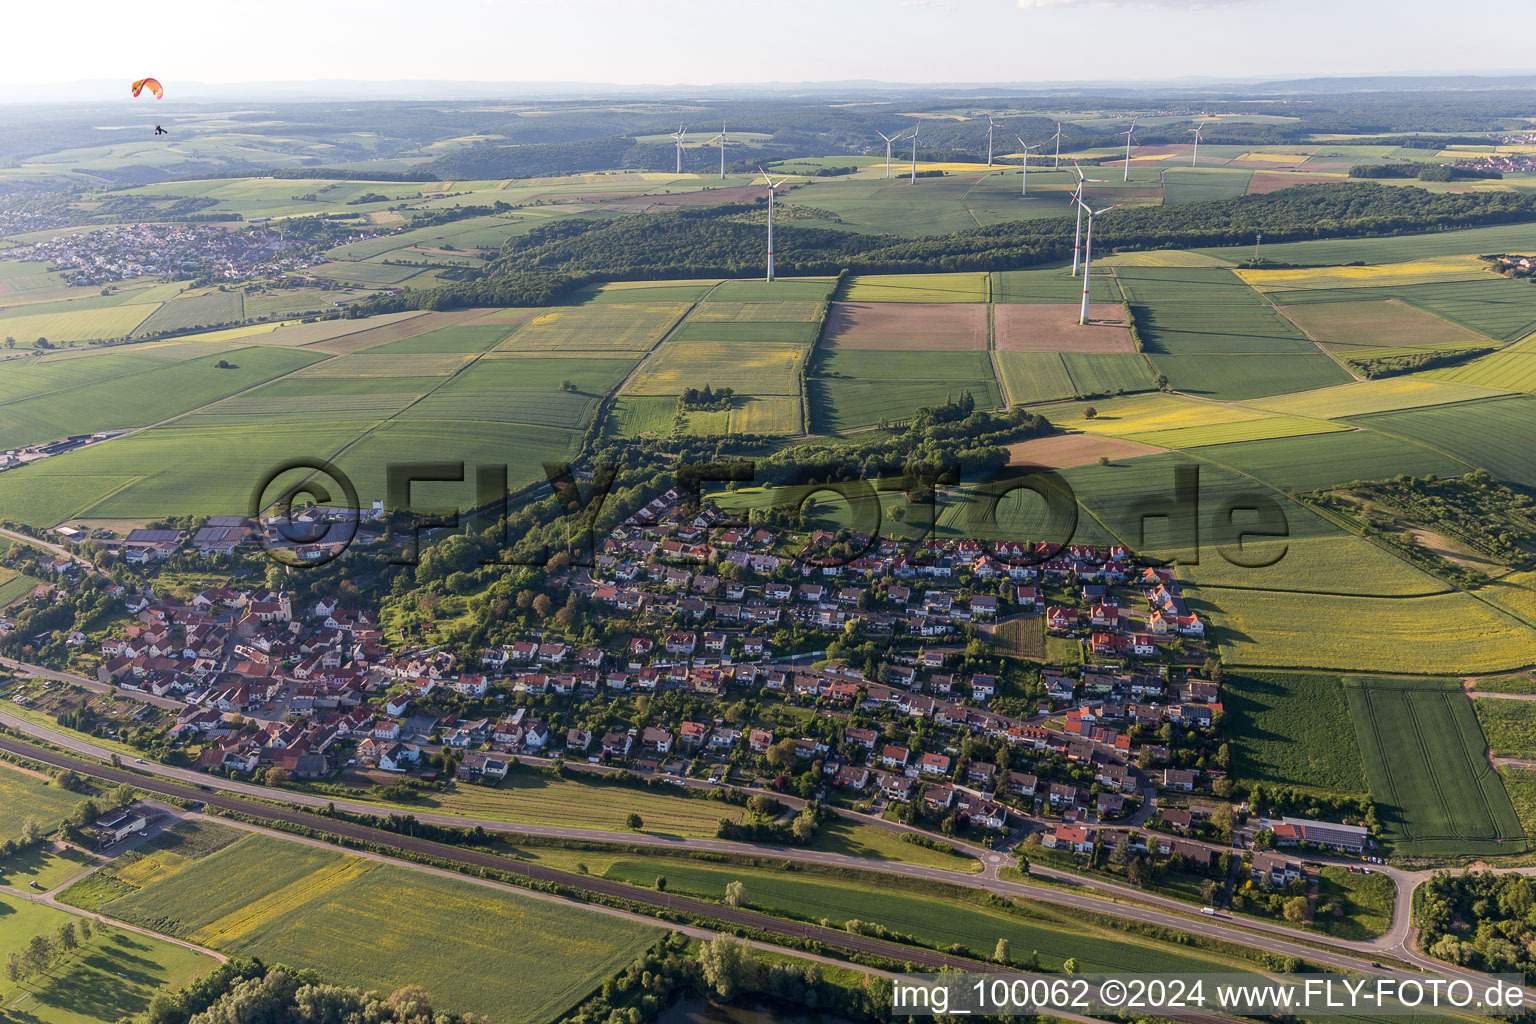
[112,91]
[615,44]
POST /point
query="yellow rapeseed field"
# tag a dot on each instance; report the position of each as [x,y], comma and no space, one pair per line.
[1139,414]
[762,415]
[1425,271]
[1384,395]
[310,891]
[1162,258]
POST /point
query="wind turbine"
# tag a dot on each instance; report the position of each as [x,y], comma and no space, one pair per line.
[721,140]
[1127,134]
[1057,137]
[1088,253]
[888,140]
[682,133]
[772,190]
[1024,182]
[1196,154]
[1077,197]
[990,125]
[914,153]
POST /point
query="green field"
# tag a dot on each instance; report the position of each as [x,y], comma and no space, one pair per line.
[24,796]
[1315,461]
[750,368]
[918,288]
[1443,633]
[1488,306]
[379,926]
[536,798]
[455,338]
[634,415]
[158,390]
[81,325]
[189,312]
[1232,433]
[1365,902]
[1509,726]
[113,976]
[1492,433]
[1031,377]
[1054,935]
[1235,377]
[1391,249]
[1426,762]
[610,329]
[1052,285]
[1292,729]
[838,405]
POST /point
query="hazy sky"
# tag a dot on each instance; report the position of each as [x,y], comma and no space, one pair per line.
[702,41]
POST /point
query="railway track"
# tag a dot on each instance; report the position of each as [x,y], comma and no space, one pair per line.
[916,956]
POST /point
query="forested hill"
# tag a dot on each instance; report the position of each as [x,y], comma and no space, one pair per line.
[729,240]
[551,159]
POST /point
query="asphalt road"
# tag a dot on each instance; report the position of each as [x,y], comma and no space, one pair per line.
[219,793]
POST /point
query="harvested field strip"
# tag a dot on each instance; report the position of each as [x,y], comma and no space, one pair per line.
[763,368]
[1140,414]
[1375,323]
[764,415]
[755,312]
[968,287]
[1229,433]
[1277,629]
[1426,271]
[1387,394]
[633,327]
[312,890]
[1065,450]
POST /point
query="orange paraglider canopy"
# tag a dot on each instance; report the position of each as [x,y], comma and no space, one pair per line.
[152,84]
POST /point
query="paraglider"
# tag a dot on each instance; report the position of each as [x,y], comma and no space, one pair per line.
[152,84]
[160,131]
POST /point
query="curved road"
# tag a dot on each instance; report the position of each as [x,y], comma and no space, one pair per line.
[1148,908]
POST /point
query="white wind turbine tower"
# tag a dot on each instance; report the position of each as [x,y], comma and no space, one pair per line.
[721,140]
[1088,253]
[772,189]
[1077,198]
[1024,181]
[1127,134]
[1057,138]
[1196,154]
[990,126]
[914,153]
[888,140]
[682,133]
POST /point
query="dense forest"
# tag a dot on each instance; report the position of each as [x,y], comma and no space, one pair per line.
[728,240]
[1479,920]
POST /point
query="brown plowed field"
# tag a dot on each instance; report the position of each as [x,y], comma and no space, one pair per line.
[1066,450]
[1053,327]
[934,326]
